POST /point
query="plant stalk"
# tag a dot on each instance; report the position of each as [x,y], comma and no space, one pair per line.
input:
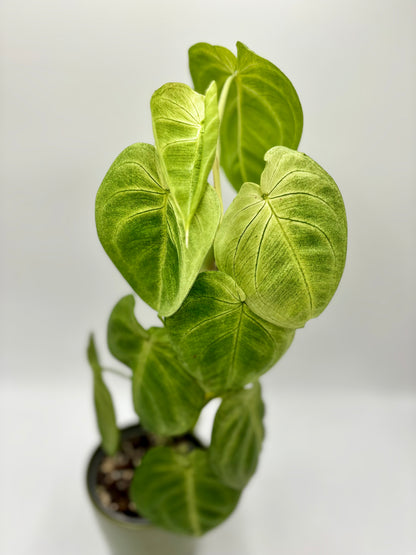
[117,373]
[216,166]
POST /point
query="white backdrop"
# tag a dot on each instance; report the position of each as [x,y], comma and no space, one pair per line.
[76,80]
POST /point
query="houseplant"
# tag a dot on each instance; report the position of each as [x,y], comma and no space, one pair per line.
[230,289]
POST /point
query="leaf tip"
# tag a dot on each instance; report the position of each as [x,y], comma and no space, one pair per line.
[91,350]
[241,46]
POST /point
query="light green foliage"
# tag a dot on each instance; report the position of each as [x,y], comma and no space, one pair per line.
[180,492]
[237,436]
[262,108]
[144,235]
[185,126]
[230,290]
[284,241]
[125,336]
[224,344]
[209,63]
[104,408]
[165,397]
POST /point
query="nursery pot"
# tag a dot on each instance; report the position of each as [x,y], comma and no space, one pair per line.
[132,535]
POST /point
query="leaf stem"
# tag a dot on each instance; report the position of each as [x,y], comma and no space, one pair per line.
[217,178]
[216,166]
[116,372]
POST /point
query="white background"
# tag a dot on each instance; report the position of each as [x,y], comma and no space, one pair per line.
[337,474]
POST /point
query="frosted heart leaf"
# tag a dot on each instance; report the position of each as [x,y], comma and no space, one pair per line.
[143,232]
[284,241]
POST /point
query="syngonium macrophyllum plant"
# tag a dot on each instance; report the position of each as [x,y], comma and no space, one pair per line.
[230,289]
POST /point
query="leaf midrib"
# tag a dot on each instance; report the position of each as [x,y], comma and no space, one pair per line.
[292,251]
[231,373]
[239,129]
[189,476]
[164,248]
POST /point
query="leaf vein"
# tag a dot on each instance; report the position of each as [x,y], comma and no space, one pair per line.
[308,195]
[241,236]
[308,224]
[181,107]
[256,267]
[293,251]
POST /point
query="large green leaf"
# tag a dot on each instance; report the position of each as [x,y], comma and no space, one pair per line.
[104,408]
[284,242]
[237,436]
[180,492]
[185,126]
[143,233]
[223,343]
[209,63]
[262,108]
[166,398]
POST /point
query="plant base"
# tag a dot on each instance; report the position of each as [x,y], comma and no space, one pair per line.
[127,534]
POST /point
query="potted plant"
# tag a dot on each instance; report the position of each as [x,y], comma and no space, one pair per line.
[230,290]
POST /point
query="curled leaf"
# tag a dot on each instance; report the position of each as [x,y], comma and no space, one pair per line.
[185,126]
[104,408]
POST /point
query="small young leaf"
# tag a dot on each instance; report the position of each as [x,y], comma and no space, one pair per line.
[144,235]
[284,242]
[104,408]
[166,398]
[180,492]
[185,126]
[260,92]
[223,343]
[237,436]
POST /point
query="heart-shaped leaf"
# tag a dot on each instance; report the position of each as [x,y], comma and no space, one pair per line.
[237,436]
[180,492]
[284,242]
[166,398]
[260,92]
[144,235]
[104,408]
[223,343]
[185,126]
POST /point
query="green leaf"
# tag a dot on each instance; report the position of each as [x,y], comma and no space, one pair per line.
[210,63]
[237,436]
[166,398]
[180,492]
[144,235]
[284,242]
[185,126]
[223,343]
[104,408]
[125,336]
[262,109]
